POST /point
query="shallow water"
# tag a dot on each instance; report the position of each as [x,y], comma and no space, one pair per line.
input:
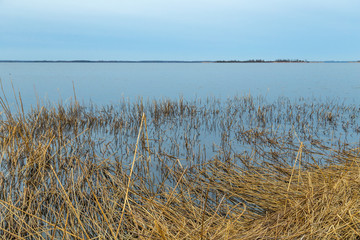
[108,83]
[306,85]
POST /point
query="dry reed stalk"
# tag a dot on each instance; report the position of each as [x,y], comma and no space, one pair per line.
[131,171]
[4,203]
[251,194]
[70,204]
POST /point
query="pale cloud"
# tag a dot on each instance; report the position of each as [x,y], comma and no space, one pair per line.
[101,11]
[170,9]
[159,6]
[174,8]
[179,11]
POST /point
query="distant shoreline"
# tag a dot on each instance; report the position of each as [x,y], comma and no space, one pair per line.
[159,61]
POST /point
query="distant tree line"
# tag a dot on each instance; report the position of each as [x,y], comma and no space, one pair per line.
[261,61]
[290,60]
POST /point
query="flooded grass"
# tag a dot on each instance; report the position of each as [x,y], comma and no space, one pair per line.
[241,168]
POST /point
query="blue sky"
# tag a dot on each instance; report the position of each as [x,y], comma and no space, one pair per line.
[179,29]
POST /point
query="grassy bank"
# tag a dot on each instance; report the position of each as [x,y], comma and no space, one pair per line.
[242,168]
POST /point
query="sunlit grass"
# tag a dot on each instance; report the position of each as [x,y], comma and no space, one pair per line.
[204,169]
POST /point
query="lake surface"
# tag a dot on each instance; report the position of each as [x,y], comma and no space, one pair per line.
[108,83]
[270,124]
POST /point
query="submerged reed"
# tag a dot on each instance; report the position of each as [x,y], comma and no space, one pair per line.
[205,169]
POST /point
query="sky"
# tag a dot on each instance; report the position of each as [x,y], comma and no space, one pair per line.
[179,29]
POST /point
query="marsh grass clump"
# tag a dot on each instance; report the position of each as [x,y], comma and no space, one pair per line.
[242,168]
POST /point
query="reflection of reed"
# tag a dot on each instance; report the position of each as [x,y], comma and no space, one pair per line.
[241,168]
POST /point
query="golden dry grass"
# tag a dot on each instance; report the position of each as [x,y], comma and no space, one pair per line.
[55,183]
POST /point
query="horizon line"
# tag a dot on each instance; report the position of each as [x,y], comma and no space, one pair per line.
[181,61]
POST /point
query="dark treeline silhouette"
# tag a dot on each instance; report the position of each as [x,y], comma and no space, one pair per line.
[261,61]
[246,61]
[290,60]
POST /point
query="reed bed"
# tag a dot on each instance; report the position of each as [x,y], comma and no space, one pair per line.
[241,168]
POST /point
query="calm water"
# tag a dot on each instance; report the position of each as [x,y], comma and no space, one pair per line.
[105,83]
